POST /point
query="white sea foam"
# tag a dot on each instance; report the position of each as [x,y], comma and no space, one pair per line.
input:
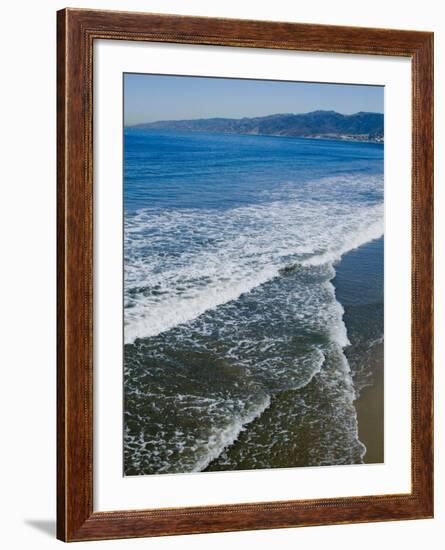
[149,320]
[349,242]
[182,263]
[249,293]
[221,439]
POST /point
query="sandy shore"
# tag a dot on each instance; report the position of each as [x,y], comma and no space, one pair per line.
[359,288]
[370,414]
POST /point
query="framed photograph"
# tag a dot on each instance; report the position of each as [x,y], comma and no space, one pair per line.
[245,228]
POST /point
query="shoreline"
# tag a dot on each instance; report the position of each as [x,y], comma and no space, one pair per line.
[348,139]
[353,277]
[370,417]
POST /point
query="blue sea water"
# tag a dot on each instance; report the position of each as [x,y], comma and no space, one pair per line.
[234,334]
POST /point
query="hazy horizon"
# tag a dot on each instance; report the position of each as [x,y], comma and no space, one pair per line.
[153,98]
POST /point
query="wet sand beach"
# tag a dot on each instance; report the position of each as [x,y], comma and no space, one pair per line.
[359,288]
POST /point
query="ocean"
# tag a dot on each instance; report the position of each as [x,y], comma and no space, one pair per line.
[253,299]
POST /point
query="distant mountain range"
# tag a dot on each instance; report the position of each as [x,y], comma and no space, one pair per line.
[317,124]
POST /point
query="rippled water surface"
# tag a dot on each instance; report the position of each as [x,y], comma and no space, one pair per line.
[234,335]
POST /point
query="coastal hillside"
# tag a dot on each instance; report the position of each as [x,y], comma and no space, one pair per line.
[360,126]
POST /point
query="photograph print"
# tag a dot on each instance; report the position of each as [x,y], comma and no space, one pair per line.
[253,274]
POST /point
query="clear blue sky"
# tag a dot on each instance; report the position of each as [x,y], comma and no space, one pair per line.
[149,98]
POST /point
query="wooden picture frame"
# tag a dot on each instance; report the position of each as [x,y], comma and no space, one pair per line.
[77,31]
